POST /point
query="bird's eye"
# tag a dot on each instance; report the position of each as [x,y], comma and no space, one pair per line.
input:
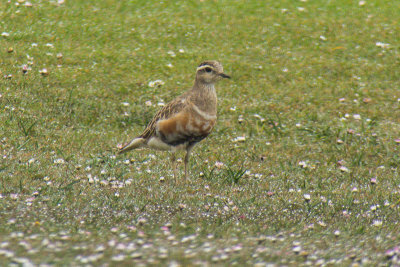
[208,69]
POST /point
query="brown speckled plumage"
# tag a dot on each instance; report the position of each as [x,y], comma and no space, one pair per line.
[166,112]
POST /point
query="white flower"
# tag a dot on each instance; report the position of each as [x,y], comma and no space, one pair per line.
[171,53]
[219,164]
[239,139]
[119,257]
[377,223]
[357,116]
[90,179]
[307,197]
[59,161]
[361,3]
[5,34]
[181,51]
[344,169]
[382,45]
[25,68]
[148,103]
[125,104]
[296,249]
[44,72]
[323,38]
[156,83]
[259,117]
[104,182]
[303,164]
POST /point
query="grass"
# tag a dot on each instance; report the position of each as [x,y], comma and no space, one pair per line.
[315,93]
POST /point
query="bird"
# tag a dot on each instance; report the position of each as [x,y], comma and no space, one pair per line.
[186,120]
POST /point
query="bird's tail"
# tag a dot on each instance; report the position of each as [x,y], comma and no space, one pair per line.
[135,143]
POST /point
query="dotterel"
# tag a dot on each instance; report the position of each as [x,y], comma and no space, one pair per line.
[187,119]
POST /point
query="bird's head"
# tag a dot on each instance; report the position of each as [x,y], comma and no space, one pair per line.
[210,72]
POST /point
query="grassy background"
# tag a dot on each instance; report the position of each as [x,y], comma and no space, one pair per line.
[299,190]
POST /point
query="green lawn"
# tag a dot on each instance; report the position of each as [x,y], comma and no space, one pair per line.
[314,91]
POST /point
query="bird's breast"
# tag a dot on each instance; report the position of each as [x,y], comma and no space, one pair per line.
[188,126]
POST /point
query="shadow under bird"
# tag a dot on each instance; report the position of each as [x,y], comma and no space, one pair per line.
[187,119]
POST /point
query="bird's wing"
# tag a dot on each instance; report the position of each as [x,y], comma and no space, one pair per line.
[166,112]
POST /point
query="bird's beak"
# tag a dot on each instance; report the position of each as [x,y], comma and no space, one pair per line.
[223,75]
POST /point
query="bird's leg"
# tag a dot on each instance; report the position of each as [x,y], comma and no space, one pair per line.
[188,150]
[173,162]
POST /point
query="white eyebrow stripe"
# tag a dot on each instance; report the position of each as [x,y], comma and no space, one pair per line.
[204,114]
[205,66]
